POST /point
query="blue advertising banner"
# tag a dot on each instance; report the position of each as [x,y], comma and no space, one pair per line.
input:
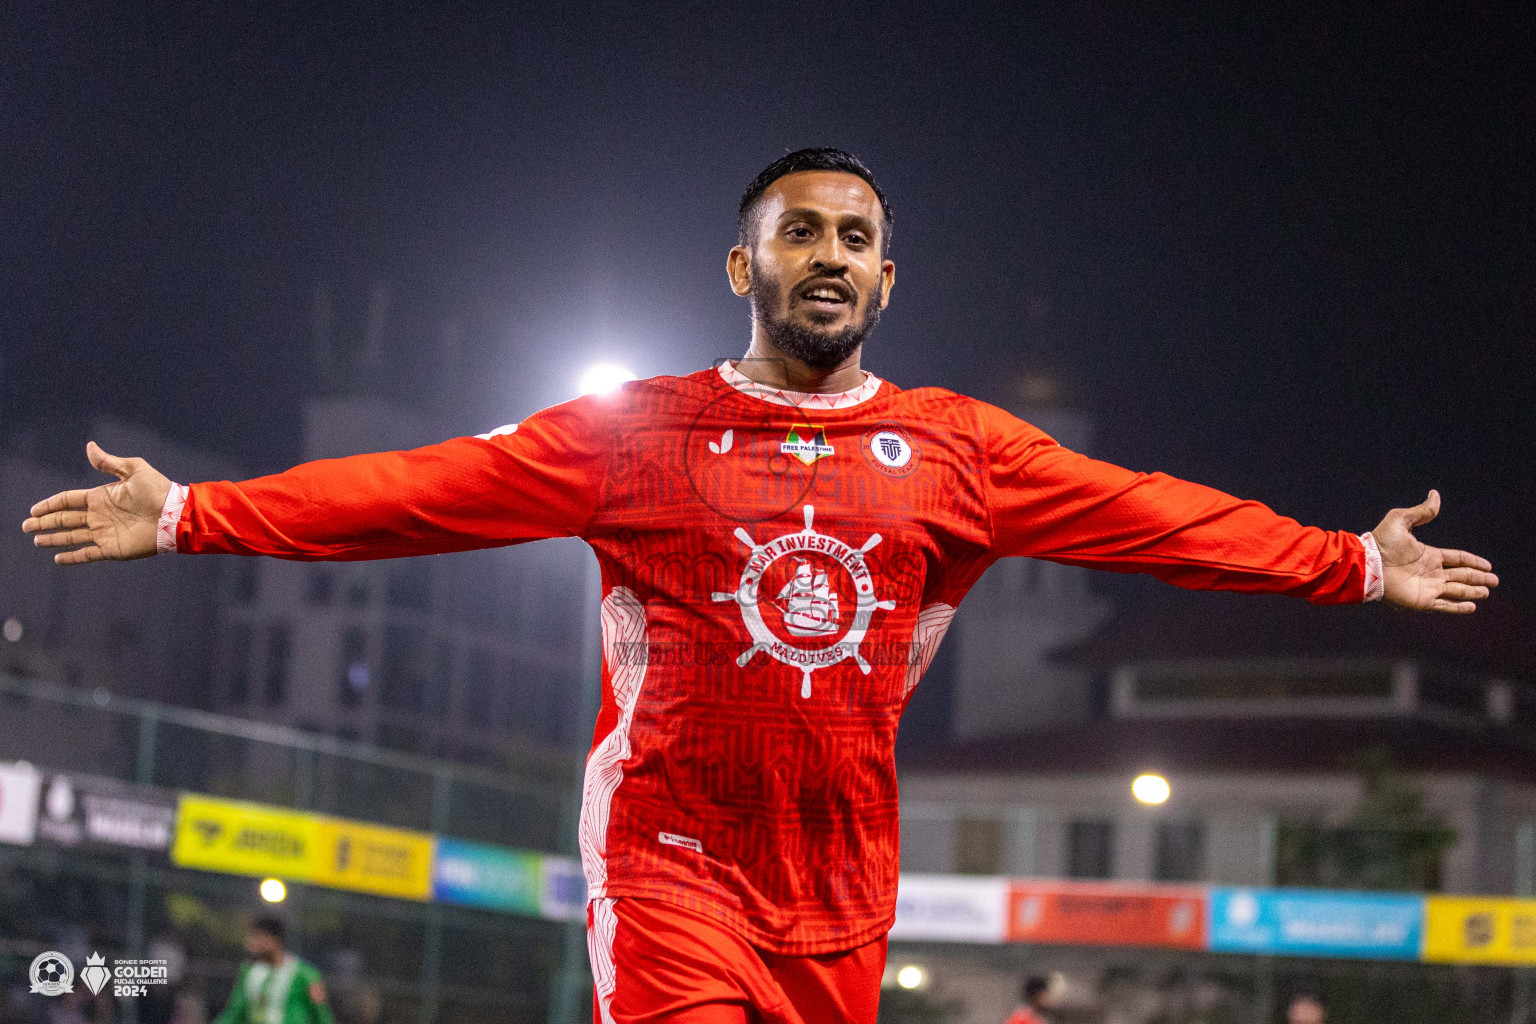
[489,877]
[1303,922]
[565,890]
[496,878]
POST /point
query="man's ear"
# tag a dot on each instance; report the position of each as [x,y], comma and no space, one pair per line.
[887,282]
[738,268]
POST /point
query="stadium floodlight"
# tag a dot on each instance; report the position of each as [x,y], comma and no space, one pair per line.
[1151,789]
[273,890]
[602,378]
[13,630]
[911,977]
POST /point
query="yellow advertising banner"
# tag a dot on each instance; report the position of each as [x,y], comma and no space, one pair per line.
[244,838]
[1476,930]
[375,859]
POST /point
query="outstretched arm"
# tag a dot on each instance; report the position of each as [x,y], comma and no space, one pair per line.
[542,478]
[1049,502]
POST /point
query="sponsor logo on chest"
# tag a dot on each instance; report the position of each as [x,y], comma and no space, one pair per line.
[807,599]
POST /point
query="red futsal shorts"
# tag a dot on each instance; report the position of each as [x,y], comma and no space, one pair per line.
[655,963]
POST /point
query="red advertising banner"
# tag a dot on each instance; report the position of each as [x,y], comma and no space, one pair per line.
[1106,914]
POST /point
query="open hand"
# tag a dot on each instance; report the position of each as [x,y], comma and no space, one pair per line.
[115,521]
[1423,578]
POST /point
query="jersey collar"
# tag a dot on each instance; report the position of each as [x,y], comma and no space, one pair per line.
[800,399]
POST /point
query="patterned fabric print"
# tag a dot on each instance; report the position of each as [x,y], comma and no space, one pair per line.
[170,517]
[623,619]
[1375,581]
[601,928]
[800,399]
[932,623]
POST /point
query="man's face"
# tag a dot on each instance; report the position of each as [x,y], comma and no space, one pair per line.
[814,272]
[1305,1010]
[262,946]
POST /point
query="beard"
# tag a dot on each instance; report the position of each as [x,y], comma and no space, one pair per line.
[818,348]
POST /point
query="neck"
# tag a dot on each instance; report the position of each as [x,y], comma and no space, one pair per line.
[273,959]
[770,365]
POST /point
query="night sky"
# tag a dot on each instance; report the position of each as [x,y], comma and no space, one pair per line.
[1289,258]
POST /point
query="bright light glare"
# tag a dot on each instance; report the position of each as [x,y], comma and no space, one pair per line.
[273,890]
[911,976]
[1151,789]
[603,378]
[13,630]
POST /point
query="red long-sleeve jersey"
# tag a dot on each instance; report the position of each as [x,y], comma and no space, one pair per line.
[777,573]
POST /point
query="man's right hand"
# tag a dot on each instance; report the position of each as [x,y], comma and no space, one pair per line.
[115,521]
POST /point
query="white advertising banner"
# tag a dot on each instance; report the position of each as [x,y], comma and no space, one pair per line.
[19,784]
[945,908]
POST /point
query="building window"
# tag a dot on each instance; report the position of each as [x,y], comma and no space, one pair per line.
[410,585]
[276,682]
[322,586]
[978,846]
[352,681]
[357,592]
[1091,848]
[239,662]
[1180,853]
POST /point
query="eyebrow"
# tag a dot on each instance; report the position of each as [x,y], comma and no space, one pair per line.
[850,220]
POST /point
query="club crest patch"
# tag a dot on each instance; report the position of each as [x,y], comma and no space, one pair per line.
[890,449]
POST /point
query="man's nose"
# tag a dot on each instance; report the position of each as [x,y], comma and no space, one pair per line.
[830,257]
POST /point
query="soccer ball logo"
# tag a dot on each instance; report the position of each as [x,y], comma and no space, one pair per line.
[52,974]
[807,600]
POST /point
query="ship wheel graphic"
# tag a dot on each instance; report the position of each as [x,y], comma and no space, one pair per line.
[807,602]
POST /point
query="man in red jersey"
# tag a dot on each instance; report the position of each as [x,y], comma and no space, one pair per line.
[783,541]
[1036,994]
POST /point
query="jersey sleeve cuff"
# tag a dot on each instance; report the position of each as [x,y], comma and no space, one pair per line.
[1375,583]
[170,516]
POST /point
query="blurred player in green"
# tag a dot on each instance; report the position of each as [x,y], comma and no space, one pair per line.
[274,986]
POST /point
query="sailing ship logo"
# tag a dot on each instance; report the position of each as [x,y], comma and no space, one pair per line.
[808,604]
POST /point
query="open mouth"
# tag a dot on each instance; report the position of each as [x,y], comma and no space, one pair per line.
[826,296]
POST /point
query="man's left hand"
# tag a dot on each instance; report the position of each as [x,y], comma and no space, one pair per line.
[1426,579]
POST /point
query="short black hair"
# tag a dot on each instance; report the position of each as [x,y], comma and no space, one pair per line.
[821,158]
[272,926]
[1035,987]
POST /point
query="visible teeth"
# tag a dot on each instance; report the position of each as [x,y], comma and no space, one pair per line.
[825,293]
